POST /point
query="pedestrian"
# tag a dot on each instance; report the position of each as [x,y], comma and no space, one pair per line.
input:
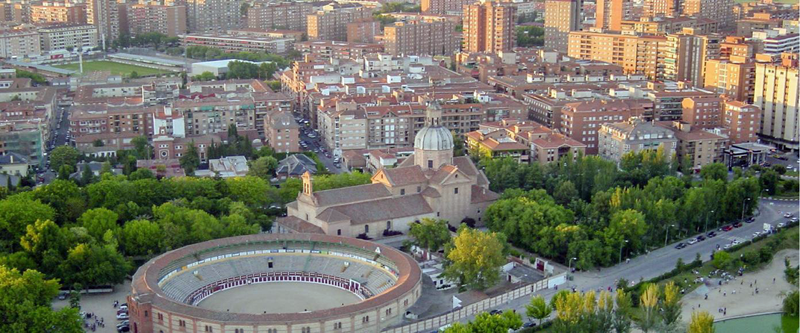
[773,280]
[755,281]
[751,285]
[706,297]
[725,294]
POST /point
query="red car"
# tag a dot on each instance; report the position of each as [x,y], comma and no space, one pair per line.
[737,224]
[727,228]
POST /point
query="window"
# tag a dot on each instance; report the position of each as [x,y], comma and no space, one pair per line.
[365,319]
[388,225]
[339,232]
[181,323]
[419,188]
[366,228]
[402,191]
[455,190]
[430,164]
[160,317]
[209,329]
[337,325]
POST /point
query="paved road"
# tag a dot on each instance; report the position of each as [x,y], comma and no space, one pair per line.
[314,144]
[663,260]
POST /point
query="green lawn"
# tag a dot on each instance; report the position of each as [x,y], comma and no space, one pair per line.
[114,67]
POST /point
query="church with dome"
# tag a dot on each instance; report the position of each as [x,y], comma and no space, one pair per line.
[431,183]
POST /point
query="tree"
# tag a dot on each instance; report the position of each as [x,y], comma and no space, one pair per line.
[648,302]
[63,155]
[190,160]
[791,273]
[622,313]
[142,147]
[671,305]
[25,304]
[105,168]
[791,304]
[702,322]
[141,174]
[714,171]
[488,323]
[16,213]
[141,237]
[251,190]
[538,309]
[769,181]
[134,75]
[474,258]
[94,265]
[721,259]
[99,220]
[44,239]
[87,176]
[458,144]
[565,192]
[65,171]
[263,167]
[430,234]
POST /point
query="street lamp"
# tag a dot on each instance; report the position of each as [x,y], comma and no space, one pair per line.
[707,216]
[744,204]
[620,250]
[570,264]
[667,237]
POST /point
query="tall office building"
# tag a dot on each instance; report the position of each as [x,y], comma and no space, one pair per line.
[489,27]
[104,14]
[660,8]
[212,15]
[776,94]
[560,18]
[611,13]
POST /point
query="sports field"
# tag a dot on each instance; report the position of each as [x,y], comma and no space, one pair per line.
[282,297]
[114,67]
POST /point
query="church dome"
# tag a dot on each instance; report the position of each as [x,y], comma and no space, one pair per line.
[433,138]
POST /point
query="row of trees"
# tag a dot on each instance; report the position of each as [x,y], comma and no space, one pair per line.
[147,39]
[210,53]
[530,36]
[589,210]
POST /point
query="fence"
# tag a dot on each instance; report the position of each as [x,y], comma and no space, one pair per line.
[432,324]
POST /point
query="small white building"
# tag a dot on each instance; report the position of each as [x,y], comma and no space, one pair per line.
[231,166]
[217,67]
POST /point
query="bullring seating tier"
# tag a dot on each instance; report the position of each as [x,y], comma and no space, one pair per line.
[181,284]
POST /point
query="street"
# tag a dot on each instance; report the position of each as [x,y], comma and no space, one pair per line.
[315,145]
[664,259]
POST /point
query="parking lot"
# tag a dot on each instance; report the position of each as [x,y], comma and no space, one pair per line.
[102,306]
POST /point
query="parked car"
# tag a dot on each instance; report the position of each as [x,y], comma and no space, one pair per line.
[737,225]
[495,312]
[711,234]
[692,241]
[794,220]
[750,219]
[788,215]
[727,228]
[680,245]
[123,316]
[125,328]
[701,238]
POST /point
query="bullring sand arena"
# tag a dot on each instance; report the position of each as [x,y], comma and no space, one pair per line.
[275,283]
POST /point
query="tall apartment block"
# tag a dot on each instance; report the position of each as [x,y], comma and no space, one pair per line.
[444,7]
[168,20]
[685,55]
[734,78]
[717,10]
[19,43]
[418,37]
[212,15]
[742,121]
[61,37]
[776,94]
[636,54]
[611,13]
[104,14]
[331,22]
[560,18]
[363,31]
[661,8]
[279,16]
[489,27]
[702,111]
[64,12]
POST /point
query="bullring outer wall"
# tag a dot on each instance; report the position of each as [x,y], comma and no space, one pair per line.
[152,311]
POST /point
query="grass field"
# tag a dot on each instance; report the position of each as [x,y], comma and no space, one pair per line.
[114,67]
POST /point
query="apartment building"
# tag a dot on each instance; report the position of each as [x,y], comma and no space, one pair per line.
[419,37]
[734,78]
[685,55]
[661,8]
[104,14]
[114,127]
[702,112]
[61,37]
[204,16]
[636,54]
[168,20]
[560,18]
[19,43]
[758,21]
[717,10]
[342,126]
[777,41]
[776,94]
[611,13]
[282,132]
[27,138]
[240,43]
[331,22]
[742,121]
[735,46]
[495,143]
[279,16]
[324,50]
[58,12]
[634,135]
[696,146]
[444,7]
[363,31]
[670,25]
[489,27]
[582,121]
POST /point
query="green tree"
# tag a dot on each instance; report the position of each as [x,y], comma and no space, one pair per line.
[671,306]
[141,174]
[142,147]
[622,313]
[769,181]
[94,265]
[791,304]
[65,197]
[16,213]
[474,258]
[46,244]
[63,155]
[65,171]
[141,237]
[251,190]
[648,302]
[263,167]
[430,234]
[99,220]
[721,259]
[714,171]
[565,193]
[87,176]
[702,322]
[190,160]
[538,308]
[791,273]
[25,304]
[134,75]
